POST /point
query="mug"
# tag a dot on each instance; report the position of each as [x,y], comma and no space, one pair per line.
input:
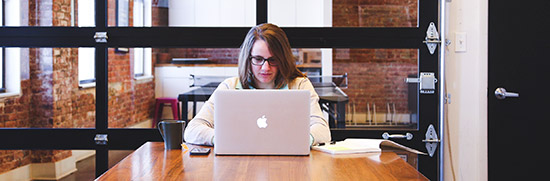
[172,133]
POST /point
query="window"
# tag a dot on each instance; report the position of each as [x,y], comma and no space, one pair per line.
[86,55]
[142,56]
[10,57]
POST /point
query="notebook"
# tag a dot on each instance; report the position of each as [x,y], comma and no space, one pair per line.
[261,122]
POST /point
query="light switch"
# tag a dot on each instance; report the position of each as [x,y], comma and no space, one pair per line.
[460,42]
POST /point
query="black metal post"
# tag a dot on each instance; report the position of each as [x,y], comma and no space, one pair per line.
[261,11]
[102,99]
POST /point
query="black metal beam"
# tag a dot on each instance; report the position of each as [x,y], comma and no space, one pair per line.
[131,139]
[47,37]
[428,114]
[261,11]
[202,37]
[195,37]
[47,138]
[74,138]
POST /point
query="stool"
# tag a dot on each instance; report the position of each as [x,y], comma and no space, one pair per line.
[159,105]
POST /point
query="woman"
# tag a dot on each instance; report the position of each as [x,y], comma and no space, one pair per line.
[265,62]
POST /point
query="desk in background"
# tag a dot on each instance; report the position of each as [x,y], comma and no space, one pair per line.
[330,96]
[152,162]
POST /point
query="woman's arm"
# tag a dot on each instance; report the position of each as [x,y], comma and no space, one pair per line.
[319,128]
[200,130]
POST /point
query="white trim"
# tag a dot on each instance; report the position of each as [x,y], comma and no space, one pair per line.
[1,13]
[42,171]
[86,85]
[145,77]
[9,94]
[86,63]
[82,154]
[326,61]
[144,124]
[20,173]
[53,171]
[86,11]
[13,72]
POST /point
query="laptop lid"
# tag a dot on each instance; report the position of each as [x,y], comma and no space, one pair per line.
[261,122]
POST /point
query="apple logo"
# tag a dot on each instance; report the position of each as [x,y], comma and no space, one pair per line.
[262,122]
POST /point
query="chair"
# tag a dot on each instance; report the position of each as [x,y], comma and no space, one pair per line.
[159,105]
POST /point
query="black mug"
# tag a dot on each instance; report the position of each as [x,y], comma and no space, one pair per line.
[172,133]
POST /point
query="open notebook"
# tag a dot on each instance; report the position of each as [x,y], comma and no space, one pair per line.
[356,145]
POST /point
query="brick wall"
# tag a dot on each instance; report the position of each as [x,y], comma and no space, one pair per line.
[50,77]
[376,75]
[374,13]
[129,100]
[51,98]
[159,16]
[15,112]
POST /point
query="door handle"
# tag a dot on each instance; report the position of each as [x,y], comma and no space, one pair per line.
[408,136]
[501,93]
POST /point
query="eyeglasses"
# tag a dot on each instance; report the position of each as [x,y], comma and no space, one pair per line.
[259,61]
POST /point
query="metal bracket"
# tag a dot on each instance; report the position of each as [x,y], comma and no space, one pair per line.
[432,38]
[101,37]
[101,139]
[431,140]
[427,82]
[408,136]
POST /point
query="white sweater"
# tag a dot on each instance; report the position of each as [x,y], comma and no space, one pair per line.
[200,130]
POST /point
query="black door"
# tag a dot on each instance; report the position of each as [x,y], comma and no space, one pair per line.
[518,46]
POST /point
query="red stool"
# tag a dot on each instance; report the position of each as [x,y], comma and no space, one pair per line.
[159,105]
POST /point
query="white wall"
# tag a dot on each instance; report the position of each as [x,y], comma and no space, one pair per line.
[212,13]
[172,81]
[467,84]
[298,13]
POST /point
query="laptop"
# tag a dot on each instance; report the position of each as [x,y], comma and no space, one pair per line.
[261,122]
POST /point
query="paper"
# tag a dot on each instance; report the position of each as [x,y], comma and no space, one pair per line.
[355,145]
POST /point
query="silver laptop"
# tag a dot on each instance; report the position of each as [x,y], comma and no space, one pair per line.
[261,122]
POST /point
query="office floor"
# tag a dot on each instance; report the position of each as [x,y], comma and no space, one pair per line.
[86,167]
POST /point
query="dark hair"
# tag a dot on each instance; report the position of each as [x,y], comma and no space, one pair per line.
[279,47]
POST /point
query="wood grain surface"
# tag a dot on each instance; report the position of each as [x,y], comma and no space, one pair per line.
[152,162]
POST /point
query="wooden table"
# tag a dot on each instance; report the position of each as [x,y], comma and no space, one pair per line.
[152,162]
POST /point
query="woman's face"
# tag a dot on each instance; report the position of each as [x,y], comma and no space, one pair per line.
[264,75]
